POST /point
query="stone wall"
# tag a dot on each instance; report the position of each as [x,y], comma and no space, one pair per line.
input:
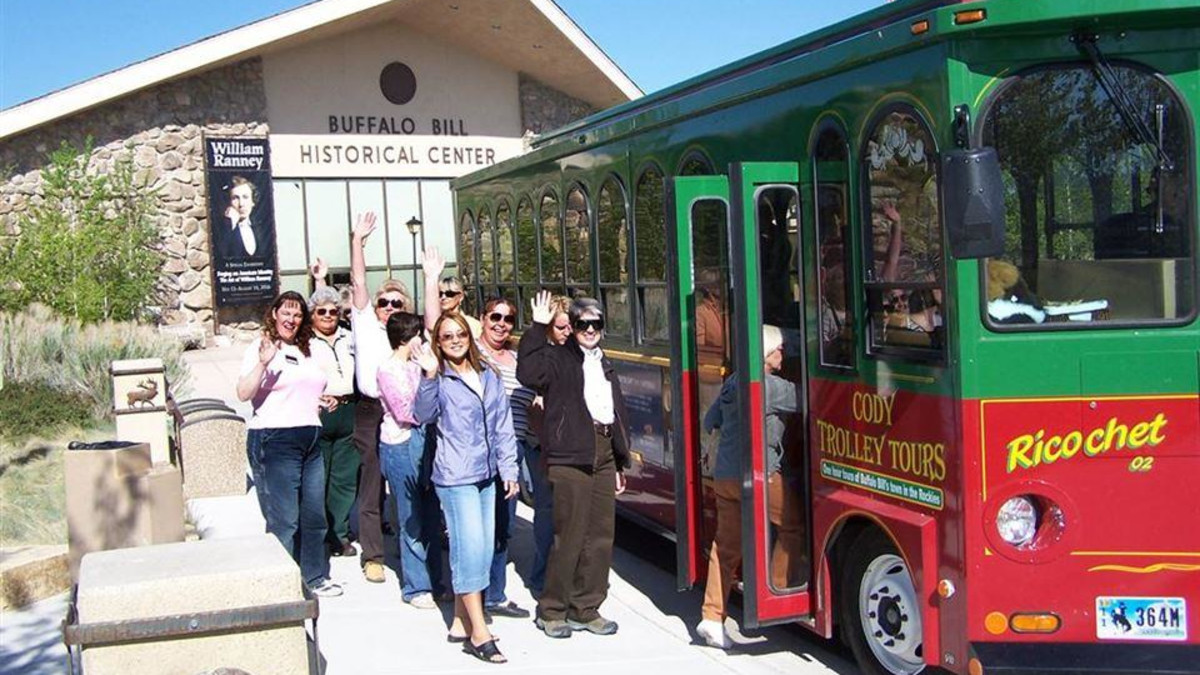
[161,130]
[544,108]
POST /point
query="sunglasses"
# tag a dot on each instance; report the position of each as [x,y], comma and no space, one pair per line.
[384,302]
[583,325]
[325,311]
[510,319]
[449,294]
[452,337]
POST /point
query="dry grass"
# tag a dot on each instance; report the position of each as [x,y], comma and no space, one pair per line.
[32,493]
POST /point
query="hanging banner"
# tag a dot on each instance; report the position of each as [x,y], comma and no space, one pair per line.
[241,217]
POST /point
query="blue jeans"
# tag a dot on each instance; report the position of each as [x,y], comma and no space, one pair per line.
[470,512]
[416,515]
[543,519]
[506,513]
[289,479]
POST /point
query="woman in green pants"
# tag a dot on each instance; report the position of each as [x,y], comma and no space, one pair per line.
[337,427]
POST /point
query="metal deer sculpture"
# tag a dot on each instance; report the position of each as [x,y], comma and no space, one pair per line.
[143,394]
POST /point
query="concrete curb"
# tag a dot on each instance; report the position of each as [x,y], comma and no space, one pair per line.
[32,573]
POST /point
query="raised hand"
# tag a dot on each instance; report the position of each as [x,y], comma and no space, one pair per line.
[318,269]
[364,226]
[432,262]
[267,349]
[890,212]
[540,305]
[232,214]
[422,355]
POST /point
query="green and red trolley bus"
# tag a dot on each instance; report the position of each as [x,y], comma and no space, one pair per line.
[975,225]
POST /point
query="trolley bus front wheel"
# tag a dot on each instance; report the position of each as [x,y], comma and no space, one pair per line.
[880,608]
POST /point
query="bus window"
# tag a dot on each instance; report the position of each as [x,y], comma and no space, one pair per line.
[577,230]
[831,167]
[504,245]
[487,256]
[783,392]
[903,238]
[526,238]
[650,235]
[612,239]
[713,304]
[466,257]
[551,233]
[1099,215]
[696,163]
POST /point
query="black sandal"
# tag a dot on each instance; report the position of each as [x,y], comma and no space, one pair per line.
[486,652]
[459,639]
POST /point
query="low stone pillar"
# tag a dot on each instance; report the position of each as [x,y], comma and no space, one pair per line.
[140,405]
[193,607]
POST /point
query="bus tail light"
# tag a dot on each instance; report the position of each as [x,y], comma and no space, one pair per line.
[1034,623]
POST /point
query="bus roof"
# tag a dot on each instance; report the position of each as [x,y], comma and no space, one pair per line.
[572,136]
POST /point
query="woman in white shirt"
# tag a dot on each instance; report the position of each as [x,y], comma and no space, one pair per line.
[285,386]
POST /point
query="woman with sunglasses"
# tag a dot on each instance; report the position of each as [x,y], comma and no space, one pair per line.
[475,443]
[336,442]
[499,316]
[448,291]
[285,381]
[586,448]
[402,454]
[368,322]
[543,500]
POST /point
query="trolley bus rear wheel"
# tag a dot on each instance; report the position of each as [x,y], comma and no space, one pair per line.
[880,608]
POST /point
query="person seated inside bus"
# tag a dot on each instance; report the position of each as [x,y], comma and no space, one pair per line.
[1140,233]
[710,320]
[782,401]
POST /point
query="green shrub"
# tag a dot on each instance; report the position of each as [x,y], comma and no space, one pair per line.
[38,409]
[39,347]
[89,248]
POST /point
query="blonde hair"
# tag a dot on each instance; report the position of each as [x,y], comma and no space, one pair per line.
[395,286]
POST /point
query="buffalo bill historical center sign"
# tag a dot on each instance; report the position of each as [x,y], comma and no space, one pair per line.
[263,143]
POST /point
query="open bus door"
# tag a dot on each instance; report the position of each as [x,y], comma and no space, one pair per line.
[698,212]
[732,273]
[771,388]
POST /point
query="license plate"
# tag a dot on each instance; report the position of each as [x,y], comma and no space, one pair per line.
[1141,618]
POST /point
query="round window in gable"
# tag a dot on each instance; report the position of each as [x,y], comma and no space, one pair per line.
[398,83]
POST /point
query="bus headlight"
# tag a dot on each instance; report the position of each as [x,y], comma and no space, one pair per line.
[1017,521]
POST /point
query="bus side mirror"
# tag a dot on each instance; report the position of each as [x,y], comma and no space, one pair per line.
[973,198]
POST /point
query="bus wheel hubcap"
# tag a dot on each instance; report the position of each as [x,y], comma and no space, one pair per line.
[890,615]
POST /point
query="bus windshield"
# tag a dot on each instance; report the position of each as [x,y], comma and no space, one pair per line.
[1099,229]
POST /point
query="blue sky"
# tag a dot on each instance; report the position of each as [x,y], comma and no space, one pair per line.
[46,45]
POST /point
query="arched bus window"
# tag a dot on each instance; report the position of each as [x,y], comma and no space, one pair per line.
[527,264]
[1100,224]
[550,231]
[903,260]
[650,243]
[487,254]
[695,163]
[577,233]
[831,170]
[466,258]
[505,261]
[612,245]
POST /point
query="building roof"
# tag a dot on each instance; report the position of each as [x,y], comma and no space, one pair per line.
[531,36]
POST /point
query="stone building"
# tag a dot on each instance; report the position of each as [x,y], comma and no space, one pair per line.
[364,105]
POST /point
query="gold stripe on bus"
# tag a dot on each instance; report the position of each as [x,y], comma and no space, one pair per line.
[1149,569]
[919,379]
[638,358]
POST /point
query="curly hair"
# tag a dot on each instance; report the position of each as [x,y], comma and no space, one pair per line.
[303,334]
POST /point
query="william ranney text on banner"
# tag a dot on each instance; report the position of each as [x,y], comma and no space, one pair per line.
[241,216]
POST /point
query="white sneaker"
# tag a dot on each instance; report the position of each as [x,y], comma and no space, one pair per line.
[326,589]
[422,601]
[713,633]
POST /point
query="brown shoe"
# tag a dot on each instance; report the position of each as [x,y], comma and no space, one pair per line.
[373,571]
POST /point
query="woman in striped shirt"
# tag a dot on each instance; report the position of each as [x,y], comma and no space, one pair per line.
[498,318]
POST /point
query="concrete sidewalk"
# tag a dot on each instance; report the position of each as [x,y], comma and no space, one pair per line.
[370,630]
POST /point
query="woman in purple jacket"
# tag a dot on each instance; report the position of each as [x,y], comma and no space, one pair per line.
[475,441]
